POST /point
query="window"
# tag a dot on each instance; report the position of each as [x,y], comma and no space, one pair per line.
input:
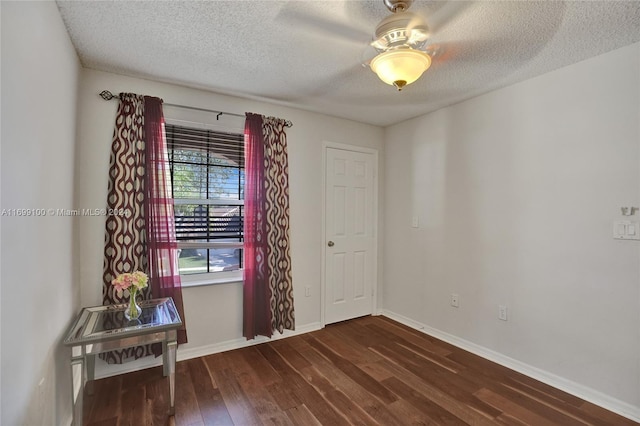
[207,180]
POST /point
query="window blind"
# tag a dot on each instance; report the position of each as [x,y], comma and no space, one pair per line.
[207,177]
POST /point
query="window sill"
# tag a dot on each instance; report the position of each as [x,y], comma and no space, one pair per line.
[211,279]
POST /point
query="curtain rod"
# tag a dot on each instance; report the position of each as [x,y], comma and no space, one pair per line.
[107,96]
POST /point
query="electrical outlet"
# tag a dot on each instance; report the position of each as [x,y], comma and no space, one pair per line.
[307,291]
[502,312]
[455,302]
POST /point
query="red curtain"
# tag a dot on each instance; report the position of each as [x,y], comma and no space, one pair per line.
[257,315]
[268,290]
[164,278]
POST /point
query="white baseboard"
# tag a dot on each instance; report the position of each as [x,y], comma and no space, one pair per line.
[107,370]
[576,389]
[189,353]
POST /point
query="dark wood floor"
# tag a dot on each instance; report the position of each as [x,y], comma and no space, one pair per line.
[367,371]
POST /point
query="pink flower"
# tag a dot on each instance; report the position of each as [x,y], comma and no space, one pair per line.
[137,279]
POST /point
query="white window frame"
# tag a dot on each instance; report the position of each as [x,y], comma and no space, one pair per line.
[207,278]
[219,277]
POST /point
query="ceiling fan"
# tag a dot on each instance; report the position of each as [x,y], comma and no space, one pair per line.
[400,49]
[402,46]
[400,41]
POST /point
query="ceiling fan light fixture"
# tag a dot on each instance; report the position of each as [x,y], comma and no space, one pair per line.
[400,67]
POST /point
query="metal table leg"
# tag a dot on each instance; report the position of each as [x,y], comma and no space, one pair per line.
[77,395]
[91,372]
[171,366]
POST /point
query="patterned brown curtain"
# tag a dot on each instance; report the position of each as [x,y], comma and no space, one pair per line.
[268,288]
[276,166]
[125,237]
[142,235]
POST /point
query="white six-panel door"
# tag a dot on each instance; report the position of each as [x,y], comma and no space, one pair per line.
[350,240]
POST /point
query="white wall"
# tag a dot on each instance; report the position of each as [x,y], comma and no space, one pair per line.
[40,294]
[516,192]
[213,313]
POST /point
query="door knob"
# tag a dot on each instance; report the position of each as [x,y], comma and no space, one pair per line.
[330,244]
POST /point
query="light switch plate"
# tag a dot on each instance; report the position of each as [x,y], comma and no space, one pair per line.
[626,230]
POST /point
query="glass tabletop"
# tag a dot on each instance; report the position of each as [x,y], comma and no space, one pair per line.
[100,323]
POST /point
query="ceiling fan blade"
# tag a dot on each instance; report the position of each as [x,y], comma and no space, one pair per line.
[368,53]
[326,22]
[326,86]
[445,13]
[418,30]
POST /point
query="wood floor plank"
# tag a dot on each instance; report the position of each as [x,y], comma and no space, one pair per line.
[300,415]
[554,408]
[433,358]
[157,401]
[187,409]
[460,409]
[284,395]
[288,352]
[513,409]
[353,371]
[508,420]
[343,404]
[346,341]
[208,396]
[263,403]
[107,399]
[133,407]
[414,336]
[541,390]
[498,378]
[261,366]
[432,410]
[605,416]
[366,371]
[552,413]
[357,333]
[358,394]
[376,370]
[440,378]
[112,421]
[314,401]
[238,405]
[409,414]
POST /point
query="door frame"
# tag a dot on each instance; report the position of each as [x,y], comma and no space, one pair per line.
[323,283]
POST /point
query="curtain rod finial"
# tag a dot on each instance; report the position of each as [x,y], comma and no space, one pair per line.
[107,95]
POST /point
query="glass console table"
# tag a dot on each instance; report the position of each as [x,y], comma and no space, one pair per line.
[104,328]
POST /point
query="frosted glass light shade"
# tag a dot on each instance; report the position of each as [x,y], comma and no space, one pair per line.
[400,67]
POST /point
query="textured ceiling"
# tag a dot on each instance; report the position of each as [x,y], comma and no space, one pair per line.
[308,54]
